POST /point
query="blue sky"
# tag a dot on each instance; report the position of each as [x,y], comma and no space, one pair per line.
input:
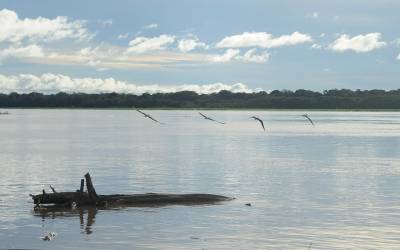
[205,46]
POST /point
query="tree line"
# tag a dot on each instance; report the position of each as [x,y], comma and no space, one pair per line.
[277,99]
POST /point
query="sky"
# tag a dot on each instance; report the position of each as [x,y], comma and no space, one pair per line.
[130,46]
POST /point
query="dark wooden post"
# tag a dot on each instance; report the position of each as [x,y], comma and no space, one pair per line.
[90,188]
[54,191]
[82,185]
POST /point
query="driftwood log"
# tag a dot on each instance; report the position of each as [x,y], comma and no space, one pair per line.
[80,198]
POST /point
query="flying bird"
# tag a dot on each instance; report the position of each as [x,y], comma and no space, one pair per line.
[148,116]
[208,118]
[308,118]
[258,119]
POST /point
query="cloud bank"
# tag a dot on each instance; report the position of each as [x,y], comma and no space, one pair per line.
[360,44]
[64,41]
[15,30]
[190,43]
[30,51]
[33,40]
[54,83]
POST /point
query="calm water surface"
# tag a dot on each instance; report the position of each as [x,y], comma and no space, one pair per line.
[335,185]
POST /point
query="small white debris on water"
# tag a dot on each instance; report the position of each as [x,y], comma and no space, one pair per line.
[49,236]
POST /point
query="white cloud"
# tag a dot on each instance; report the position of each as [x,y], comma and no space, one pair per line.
[229,55]
[190,43]
[112,57]
[359,44]
[151,26]
[94,63]
[145,44]
[89,51]
[263,40]
[313,15]
[53,83]
[316,46]
[251,56]
[13,29]
[234,55]
[21,52]
[106,23]
[398,57]
[123,36]
[91,56]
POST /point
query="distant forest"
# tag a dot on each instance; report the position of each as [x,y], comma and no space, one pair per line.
[284,99]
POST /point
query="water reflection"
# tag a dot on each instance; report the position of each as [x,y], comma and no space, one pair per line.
[87,214]
[57,212]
